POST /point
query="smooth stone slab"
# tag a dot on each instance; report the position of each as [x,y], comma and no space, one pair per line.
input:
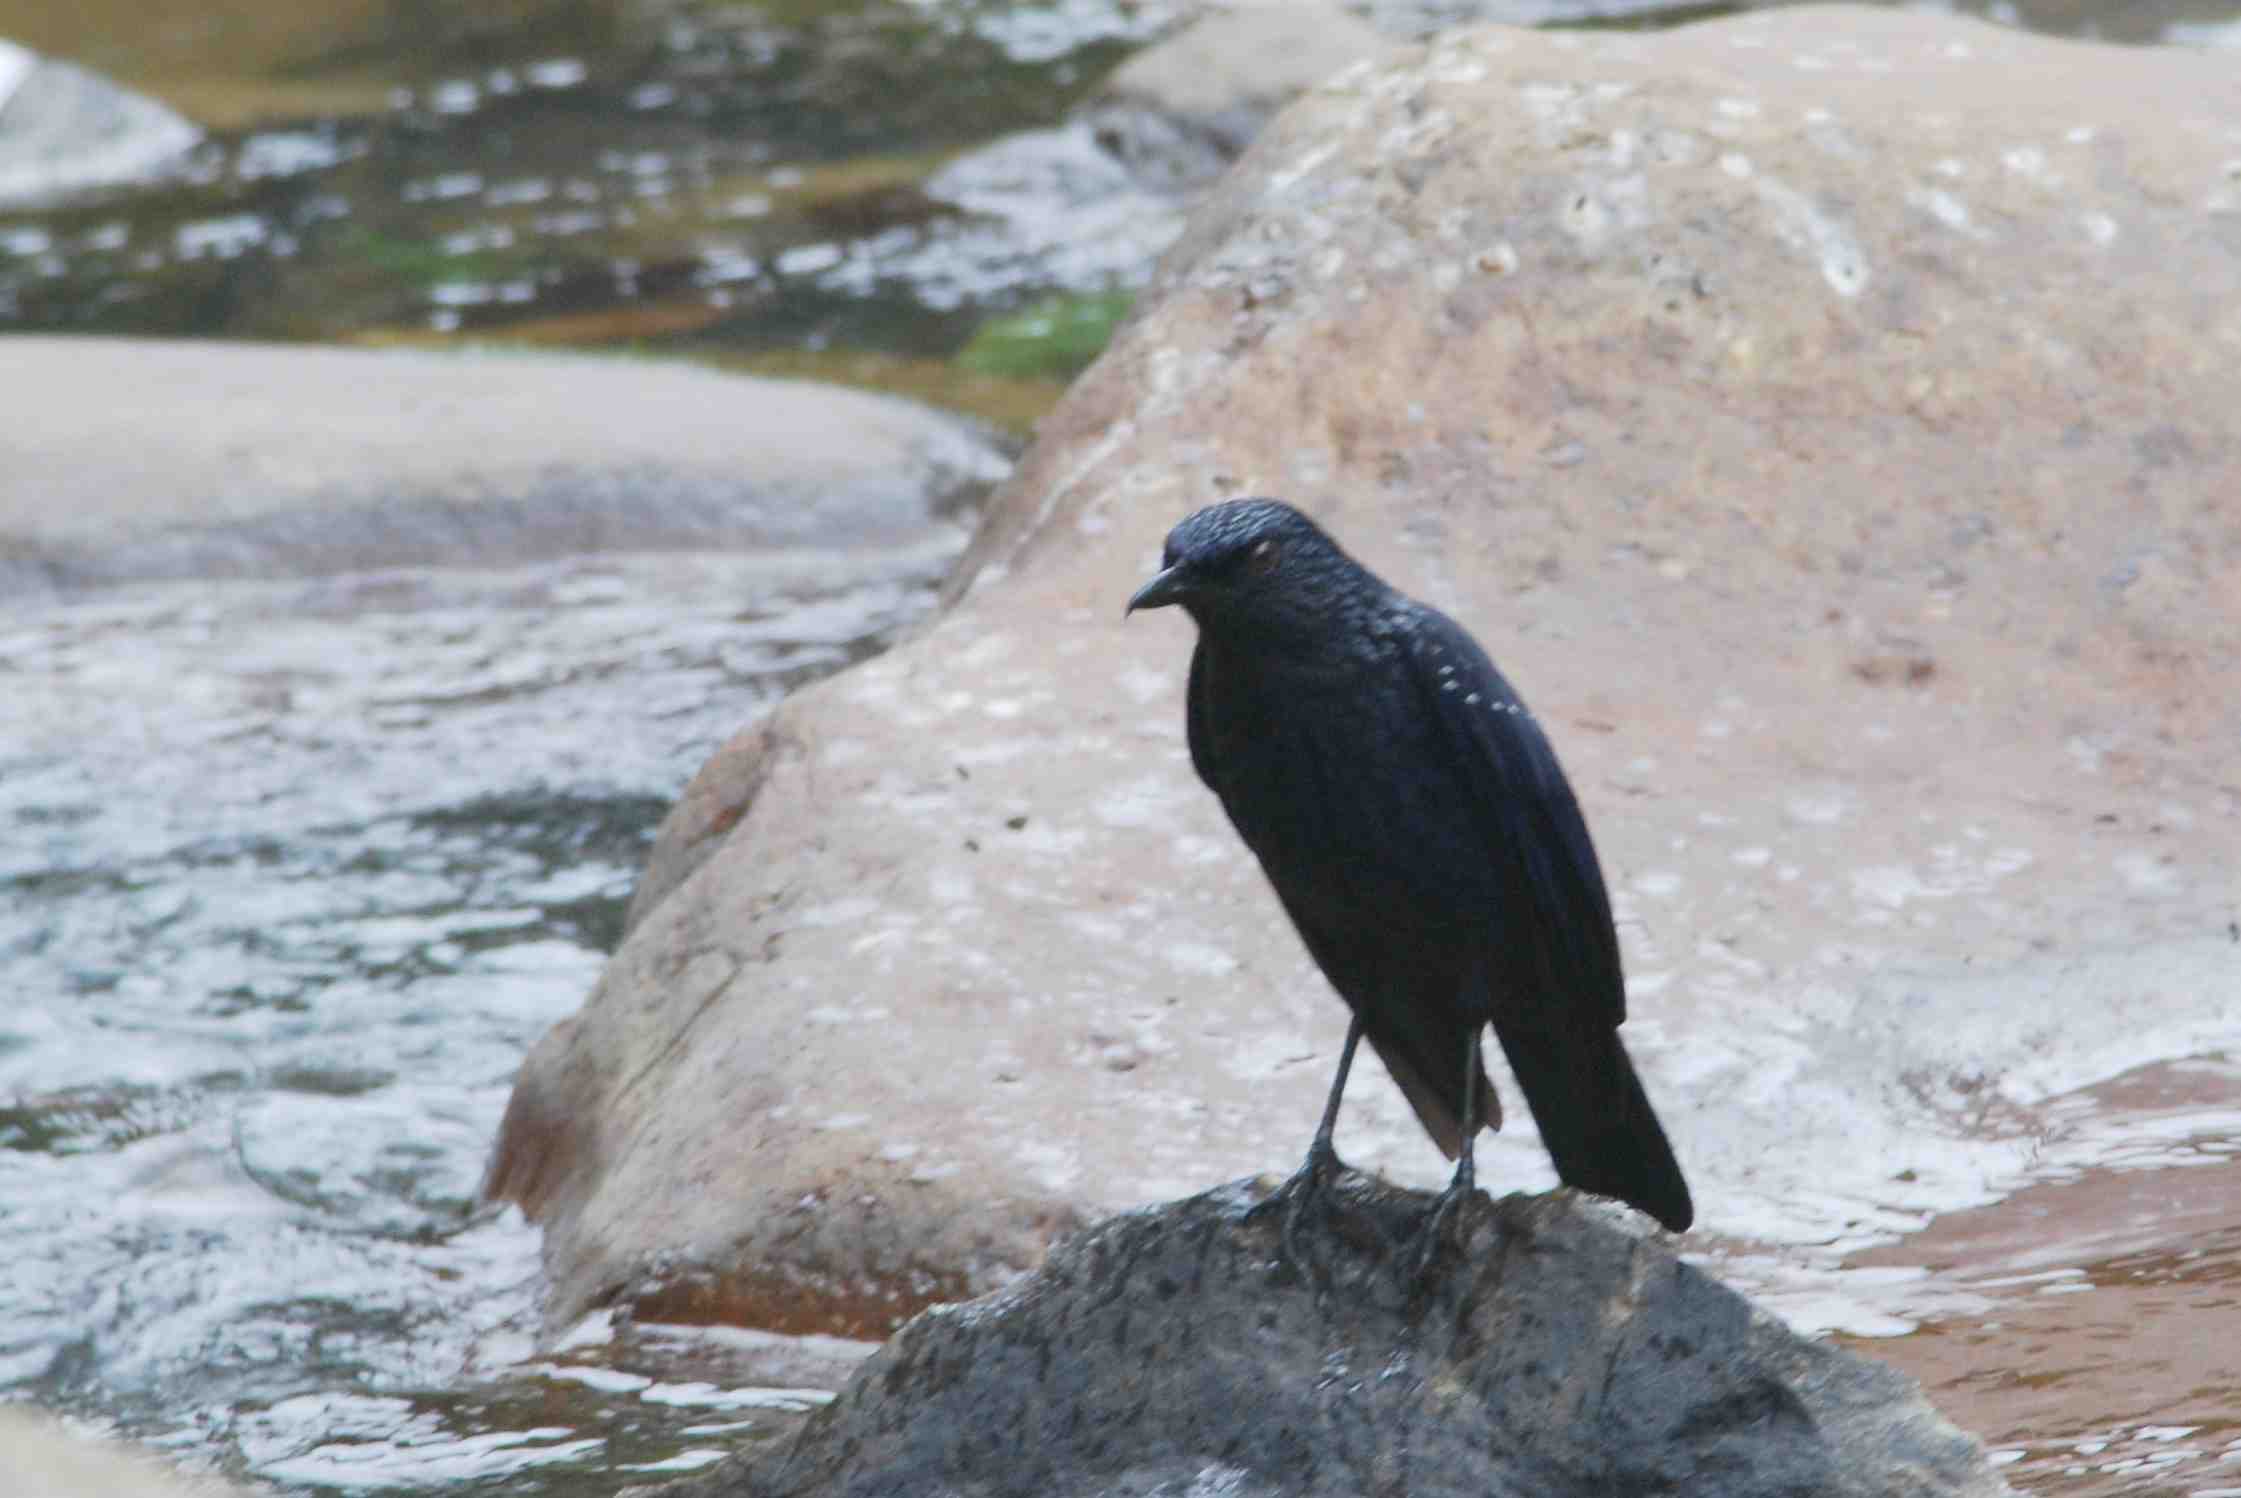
[125,458]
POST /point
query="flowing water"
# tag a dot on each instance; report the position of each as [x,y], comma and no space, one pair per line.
[788,186]
[2090,1326]
[294,872]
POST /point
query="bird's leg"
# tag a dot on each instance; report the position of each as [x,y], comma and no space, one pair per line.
[1465,1180]
[1321,1155]
[1322,1161]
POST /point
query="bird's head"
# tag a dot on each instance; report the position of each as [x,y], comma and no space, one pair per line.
[1251,563]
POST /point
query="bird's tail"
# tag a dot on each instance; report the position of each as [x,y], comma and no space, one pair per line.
[1595,1118]
[1423,1063]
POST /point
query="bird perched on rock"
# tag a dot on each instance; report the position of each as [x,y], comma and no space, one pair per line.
[1420,834]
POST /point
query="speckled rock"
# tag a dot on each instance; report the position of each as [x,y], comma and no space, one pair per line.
[1169,1351]
[129,458]
[1824,416]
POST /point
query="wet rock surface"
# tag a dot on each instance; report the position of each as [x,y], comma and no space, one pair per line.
[1552,1350]
[1820,415]
[127,459]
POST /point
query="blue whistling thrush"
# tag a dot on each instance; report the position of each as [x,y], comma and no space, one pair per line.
[1417,828]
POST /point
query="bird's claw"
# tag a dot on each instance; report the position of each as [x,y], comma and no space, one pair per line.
[1303,1192]
[1300,1190]
[1439,1222]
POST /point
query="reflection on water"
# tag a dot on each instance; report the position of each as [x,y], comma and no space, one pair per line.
[2089,1327]
[617,1405]
[713,179]
[295,873]
[2146,1340]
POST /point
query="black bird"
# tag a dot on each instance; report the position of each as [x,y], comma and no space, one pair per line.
[1417,828]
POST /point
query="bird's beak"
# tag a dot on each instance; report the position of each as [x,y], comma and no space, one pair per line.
[1164,588]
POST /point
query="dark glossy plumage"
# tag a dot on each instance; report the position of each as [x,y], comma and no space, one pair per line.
[1414,821]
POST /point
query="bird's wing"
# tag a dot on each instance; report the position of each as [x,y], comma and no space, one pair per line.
[1552,934]
[1403,990]
[1551,966]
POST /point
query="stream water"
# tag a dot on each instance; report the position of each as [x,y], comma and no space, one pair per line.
[293,872]
[789,187]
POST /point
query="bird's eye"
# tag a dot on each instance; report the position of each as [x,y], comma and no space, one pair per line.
[1261,560]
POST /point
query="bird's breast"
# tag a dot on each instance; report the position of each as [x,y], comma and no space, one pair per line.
[1332,780]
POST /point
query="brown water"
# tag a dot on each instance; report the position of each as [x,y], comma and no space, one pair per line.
[2103,1355]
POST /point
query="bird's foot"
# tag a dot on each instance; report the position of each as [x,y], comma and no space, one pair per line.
[1298,1194]
[1435,1236]
[1306,1193]
[1300,1191]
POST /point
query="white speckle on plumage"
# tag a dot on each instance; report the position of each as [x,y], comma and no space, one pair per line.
[1447,686]
[1471,699]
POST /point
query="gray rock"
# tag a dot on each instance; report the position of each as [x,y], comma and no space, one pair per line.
[1553,1352]
[63,129]
[1181,110]
[125,459]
